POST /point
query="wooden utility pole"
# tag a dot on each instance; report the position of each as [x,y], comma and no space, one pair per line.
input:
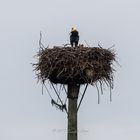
[73,92]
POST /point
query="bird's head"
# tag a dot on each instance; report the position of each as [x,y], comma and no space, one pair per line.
[73,29]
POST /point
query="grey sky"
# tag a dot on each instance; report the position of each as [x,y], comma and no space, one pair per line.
[24,112]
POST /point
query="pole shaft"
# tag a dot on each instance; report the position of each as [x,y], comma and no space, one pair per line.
[73,91]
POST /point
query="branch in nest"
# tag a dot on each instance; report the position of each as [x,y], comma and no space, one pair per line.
[61,107]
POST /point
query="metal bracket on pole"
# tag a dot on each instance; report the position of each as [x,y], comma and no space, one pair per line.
[82,97]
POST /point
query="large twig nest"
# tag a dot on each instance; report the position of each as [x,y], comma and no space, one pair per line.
[75,65]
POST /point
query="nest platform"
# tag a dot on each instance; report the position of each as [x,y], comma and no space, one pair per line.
[75,65]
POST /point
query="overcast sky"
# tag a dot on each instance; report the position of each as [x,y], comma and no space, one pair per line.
[27,114]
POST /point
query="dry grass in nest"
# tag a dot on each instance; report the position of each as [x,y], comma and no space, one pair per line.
[75,65]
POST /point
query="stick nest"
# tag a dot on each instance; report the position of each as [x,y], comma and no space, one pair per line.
[75,65]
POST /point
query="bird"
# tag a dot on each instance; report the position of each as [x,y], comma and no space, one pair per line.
[74,37]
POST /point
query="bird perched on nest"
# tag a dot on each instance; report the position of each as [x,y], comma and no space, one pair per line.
[74,37]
